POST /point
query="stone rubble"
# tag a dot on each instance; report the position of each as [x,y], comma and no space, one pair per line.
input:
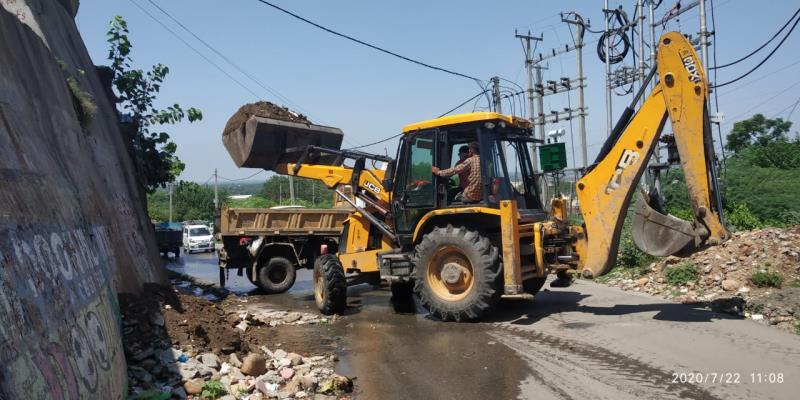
[159,367]
[724,277]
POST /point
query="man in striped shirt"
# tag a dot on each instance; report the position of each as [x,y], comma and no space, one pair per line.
[471,168]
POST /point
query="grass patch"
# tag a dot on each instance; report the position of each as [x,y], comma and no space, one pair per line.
[767,278]
[797,328]
[83,102]
[681,274]
[212,390]
[796,284]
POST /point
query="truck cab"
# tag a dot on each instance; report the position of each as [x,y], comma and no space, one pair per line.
[197,238]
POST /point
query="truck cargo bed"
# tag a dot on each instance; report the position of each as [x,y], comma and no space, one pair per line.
[284,222]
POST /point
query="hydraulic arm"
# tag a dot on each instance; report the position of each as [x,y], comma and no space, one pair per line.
[605,191]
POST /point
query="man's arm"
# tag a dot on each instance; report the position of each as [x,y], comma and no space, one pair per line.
[449,171]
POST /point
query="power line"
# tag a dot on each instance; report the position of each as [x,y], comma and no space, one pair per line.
[363,43]
[228,60]
[760,47]
[240,179]
[378,142]
[462,104]
[765,58]
[790,87]
[194,49]
[767,75]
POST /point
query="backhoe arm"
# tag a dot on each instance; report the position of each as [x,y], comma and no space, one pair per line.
[605,191]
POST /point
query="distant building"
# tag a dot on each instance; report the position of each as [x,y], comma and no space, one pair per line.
[240,196]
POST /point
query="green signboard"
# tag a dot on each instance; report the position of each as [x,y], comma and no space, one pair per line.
[553,156]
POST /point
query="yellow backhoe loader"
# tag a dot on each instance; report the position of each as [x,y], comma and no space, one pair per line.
[409,227]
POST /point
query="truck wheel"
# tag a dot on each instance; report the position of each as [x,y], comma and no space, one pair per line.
[277,276]
[330,285]
[533,285]
[457,273]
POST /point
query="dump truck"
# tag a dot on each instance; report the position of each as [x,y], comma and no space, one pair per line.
[268,245]
[461,257]
[169,238]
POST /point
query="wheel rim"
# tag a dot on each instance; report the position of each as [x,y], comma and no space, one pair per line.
[319,293]
[450,275]
[277,275]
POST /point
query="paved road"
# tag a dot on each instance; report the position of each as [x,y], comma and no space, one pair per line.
[588,341]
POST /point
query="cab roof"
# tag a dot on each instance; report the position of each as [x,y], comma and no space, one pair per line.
[466,118]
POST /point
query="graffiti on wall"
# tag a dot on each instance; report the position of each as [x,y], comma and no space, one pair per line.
[59,321]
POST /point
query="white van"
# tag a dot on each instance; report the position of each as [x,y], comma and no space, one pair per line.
[197,238]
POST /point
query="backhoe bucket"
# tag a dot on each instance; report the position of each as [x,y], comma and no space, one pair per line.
[264,142]
[659,234]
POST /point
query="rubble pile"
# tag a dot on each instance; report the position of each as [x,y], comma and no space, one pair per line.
[262,109]
[180,344]
[723,276]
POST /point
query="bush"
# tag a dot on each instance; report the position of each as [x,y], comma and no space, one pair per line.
[767,278]
[740,217]
[629,256]
[212,390]
[681,274]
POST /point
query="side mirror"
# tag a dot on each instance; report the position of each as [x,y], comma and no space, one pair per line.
[388,179]
[388,184]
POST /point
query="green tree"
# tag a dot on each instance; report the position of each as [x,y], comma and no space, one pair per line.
[193,201]
[153,150]
[757,130]
[308,192]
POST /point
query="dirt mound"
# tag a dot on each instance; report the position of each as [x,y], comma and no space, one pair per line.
[760,267]
[180,340]
[262,109]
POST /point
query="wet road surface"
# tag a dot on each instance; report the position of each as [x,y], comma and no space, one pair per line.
[585,341]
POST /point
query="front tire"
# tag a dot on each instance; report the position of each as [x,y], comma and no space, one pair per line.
[277,276]
[457,273]
[330,285]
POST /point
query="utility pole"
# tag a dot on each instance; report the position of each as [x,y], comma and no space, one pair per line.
[581,111]
[608,69]
[170,202]
[540,101]
[498,106]
[526,42]
[216,191]
[291,190]
[703,34]
[640,29]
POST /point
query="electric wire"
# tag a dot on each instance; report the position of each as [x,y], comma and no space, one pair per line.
[228,60]
[765,58]
[378,142]
[788,88]
[208,60]
[716,98]
[760,47]
[363,43]
[240,179]
[461,104]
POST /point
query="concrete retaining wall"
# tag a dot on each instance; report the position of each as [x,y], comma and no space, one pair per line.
[73,226]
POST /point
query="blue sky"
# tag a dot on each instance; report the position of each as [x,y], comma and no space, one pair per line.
[371,95]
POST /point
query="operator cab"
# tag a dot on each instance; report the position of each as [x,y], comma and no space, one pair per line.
[506,166]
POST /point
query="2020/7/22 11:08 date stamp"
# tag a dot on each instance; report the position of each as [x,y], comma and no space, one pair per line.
[728,378]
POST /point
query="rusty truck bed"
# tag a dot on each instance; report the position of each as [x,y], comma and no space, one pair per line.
[282,222]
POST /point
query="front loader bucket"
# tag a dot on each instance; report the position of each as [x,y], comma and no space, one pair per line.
[659,234]
[264,142]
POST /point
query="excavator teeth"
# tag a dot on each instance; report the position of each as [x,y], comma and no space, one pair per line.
[657,233]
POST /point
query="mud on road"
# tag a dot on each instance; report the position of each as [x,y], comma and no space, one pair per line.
[585,341]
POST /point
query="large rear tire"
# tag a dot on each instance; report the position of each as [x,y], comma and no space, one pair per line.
[330,285]
[277,276]
[457,273]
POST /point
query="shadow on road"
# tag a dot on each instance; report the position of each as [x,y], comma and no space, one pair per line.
[549,302]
